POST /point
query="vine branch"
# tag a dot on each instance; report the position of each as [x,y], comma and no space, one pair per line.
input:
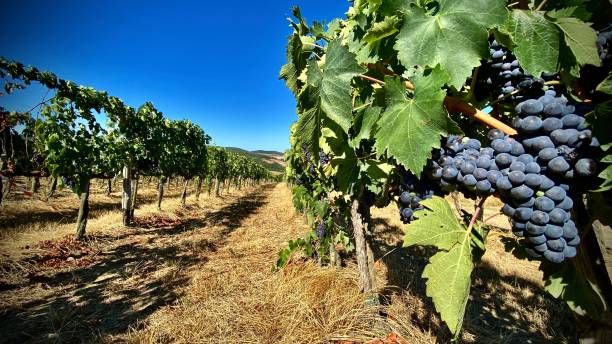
[477,212]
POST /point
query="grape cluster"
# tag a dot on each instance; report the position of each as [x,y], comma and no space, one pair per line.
[309,162]
[412,192]
[604,42]
[38,160]
[531,173]
[502,75]
[69,181]
[320,230]
[323,158]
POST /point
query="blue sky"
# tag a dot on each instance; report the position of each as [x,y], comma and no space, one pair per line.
[215,63]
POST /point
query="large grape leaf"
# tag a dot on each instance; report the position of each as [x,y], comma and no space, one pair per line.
[436,226]
[454,37]
[449,271]
[410,128]
[296,62]
[340,68]
[581,39]
[344,162]
[536,41]
[448,277]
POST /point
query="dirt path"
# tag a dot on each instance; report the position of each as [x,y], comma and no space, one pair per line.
[132,273]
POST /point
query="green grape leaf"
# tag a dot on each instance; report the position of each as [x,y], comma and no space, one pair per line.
[309,128]
[340,68]
[344,161]
[448,277]
[410,128]
[581,39]
[364,53]
[536,41]
[606,85]
[568,283]
[606,175]
[378,170]
[296,62]
[565,12]
[436,225]
[364,122]
[455,37]
[382,29]
[449,271]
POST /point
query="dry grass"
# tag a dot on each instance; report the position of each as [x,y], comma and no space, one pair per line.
[203,275]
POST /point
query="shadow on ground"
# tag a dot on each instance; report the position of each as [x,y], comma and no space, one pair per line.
[128,282]
[497,305]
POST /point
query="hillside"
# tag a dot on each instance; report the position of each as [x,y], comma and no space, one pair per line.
[273,160]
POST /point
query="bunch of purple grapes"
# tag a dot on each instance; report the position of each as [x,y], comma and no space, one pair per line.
[412,192]
[38,160]
[309,162]
[502,75]
[604,43]
[320,230]
[69,181]
[323,158]
[531,173]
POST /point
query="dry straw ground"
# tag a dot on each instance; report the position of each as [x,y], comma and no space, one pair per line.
[203,274]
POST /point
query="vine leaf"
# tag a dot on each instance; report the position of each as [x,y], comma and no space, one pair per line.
[365,121]
[606,85]
[382,29]
[345,164]
[296,62]
[581,39]
[536,41]
[410,128]
[460,27]
[570,284]
[340,68]
[449,271]
[436,226]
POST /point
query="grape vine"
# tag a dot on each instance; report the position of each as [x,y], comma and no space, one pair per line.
[390,95]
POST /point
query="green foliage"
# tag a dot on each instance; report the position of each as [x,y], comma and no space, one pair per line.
[427,36]
[410,128]
[371,91]
[449,271]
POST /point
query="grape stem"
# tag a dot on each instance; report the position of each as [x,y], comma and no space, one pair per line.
[477,212]
[541,5]
[457,105]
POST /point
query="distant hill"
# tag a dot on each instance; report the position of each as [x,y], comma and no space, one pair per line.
[272,160]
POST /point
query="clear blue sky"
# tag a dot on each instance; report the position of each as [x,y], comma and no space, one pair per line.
[215,63]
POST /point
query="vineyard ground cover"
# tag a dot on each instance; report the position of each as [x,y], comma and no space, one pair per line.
[203,273]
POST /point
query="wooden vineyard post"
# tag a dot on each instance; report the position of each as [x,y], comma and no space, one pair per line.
[134,190]
[184,194]
[160,191]
[126,200]
[359,223]
[83,211]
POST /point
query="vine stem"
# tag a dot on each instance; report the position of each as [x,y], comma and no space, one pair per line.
[541,5]
[314,45]
[476,214]
[454,104]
